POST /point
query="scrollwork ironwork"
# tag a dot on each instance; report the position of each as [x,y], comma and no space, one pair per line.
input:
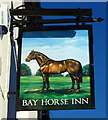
[19,20]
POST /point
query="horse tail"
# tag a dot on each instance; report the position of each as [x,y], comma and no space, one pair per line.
[80,73]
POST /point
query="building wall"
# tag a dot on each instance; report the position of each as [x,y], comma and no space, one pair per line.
[4,62]
[5,57]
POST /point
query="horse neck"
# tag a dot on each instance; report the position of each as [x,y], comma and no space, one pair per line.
[42,59]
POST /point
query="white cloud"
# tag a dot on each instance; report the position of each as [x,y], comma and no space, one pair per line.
[77,40]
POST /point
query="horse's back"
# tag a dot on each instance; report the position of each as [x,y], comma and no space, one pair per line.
[73,65]
[72,62]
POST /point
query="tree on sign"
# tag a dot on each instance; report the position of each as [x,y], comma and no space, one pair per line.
[25,70]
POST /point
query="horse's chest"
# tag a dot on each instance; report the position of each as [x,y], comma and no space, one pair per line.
[53,68]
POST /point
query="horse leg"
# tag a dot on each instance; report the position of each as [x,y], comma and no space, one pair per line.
[73,82]
[44,82]
[78,85]
[79,79]
[47,81]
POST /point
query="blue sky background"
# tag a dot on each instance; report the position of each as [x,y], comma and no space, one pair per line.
[57,48]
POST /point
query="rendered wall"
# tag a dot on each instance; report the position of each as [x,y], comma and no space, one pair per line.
[4,62]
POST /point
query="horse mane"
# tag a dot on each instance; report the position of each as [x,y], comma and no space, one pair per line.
[43,55]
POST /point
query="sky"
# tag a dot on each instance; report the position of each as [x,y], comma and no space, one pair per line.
[57,48]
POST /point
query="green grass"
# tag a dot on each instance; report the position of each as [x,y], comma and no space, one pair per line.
[30,87]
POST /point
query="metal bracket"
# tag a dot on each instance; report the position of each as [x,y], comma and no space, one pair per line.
[23,16]
[12,92]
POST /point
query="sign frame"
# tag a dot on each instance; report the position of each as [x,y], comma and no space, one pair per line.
[51,28]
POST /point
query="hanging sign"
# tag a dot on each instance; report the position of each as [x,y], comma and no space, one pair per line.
[56,70]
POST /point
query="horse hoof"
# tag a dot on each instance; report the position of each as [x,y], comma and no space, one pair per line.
[50,90]
[71,90]
[77,91]
[41,91]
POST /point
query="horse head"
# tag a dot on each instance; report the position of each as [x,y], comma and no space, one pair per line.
[31,56]
[38,56]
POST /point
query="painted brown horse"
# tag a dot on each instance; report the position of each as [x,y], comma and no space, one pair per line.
[50,66]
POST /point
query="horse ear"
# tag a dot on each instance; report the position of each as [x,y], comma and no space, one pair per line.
[32,51]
